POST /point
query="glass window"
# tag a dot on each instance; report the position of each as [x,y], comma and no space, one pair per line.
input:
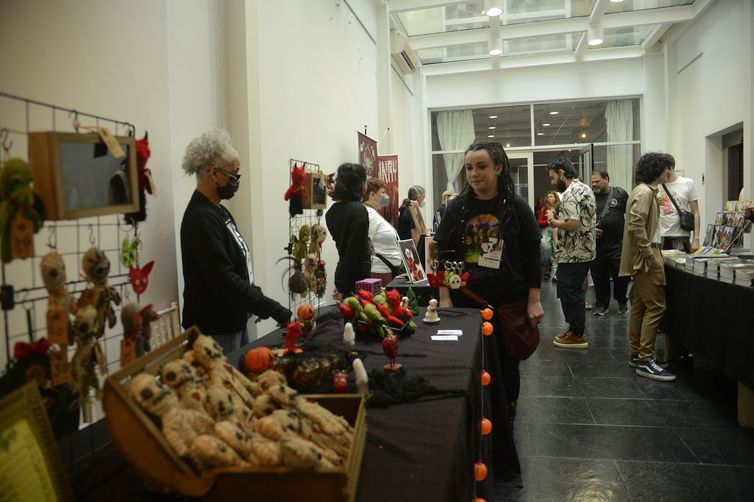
[585,122]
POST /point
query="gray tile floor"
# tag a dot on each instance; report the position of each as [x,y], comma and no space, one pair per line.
[589,429]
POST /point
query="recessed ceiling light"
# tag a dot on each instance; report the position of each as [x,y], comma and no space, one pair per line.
[491,136]
[493,116]
[507,145]
[583,135]
[492,128]
[540,134]
[554,113]
[495,52]
[616,1]
[493,11]
[545,125]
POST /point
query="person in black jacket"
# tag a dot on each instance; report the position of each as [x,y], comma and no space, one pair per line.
[219,293]
[494,233]
[348,223]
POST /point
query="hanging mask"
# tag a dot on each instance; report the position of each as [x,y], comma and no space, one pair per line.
[384,200]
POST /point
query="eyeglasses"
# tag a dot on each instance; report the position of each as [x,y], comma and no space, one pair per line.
[234,177]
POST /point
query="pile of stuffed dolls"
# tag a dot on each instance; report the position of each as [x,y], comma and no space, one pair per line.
[378,314]
[214,416]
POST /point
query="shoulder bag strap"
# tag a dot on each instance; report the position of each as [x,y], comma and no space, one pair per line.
[393,269]
[678,209]
[607,204]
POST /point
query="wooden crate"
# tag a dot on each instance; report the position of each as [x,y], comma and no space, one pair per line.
[142,444]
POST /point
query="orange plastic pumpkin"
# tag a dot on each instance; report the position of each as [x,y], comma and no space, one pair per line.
[478,499]
[259,360]
[486,378]
[487,328]
[480,471]
[305,312]
[485,426]
[487,314]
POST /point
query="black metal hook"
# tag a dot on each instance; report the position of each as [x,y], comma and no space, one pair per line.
[75,121]
[4,136]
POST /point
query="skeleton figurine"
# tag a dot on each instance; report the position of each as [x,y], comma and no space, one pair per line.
[179,425]
[59,301]
[210,355]
[180,376]
[100,295]
[88,355]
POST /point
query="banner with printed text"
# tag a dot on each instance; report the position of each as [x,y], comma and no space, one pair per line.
[387,171]
[368,155]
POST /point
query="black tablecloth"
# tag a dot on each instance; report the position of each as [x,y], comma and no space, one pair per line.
[426,450]
[423,450]
[714,320]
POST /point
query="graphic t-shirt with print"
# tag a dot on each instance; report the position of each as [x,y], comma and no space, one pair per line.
[577,204]
[684,192]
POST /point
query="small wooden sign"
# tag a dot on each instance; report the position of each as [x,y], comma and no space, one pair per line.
[127,352]
[57,325]
[21,237]
[60,368]
[315,191]
[111,142]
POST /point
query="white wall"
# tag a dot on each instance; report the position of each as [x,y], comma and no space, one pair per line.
[709,95]
[161,75]
[587,80]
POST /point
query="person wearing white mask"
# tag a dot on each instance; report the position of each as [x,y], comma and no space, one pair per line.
[386,255]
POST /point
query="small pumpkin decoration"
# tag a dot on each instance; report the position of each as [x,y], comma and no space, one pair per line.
[259,360]
[305,312]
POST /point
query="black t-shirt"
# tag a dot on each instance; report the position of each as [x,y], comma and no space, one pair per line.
[613,221]
[405,223]
[471,227]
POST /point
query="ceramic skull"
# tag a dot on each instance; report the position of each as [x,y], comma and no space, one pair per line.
[152,395]
[455,281]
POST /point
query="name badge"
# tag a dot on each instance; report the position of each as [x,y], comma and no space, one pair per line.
[491,254]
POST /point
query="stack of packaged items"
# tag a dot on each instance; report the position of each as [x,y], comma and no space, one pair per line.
[674,257]
[737,272]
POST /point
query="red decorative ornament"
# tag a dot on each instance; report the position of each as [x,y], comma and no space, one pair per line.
[485,426]
[305,312]
[22,350]
[140,277]
[486,378]
[487,328]
[292,332]
[480,471]
[259,360]
[390,347]
[487,314]
[340,382]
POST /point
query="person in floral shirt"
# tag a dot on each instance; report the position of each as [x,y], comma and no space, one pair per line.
[575,248]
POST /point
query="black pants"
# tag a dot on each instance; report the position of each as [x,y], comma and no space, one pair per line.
[605,265]
[571,293]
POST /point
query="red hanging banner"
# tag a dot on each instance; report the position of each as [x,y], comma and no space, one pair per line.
[387,171]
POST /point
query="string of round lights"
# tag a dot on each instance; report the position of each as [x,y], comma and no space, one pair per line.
[484,426]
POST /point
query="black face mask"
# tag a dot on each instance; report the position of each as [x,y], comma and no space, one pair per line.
[228,191]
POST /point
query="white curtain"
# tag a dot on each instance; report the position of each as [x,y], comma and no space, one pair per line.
[455,130]
[619,116]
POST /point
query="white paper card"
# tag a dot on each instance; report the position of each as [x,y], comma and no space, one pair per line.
[456,332]
[442,338]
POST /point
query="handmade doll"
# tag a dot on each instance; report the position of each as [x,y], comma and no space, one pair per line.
[59,300]
[100,295]
[222,404]
[179,376]
[179,425]
[144,177]
[209,451]
[88,355]
[319,234]
[19,220]
[300,243]
[295,191]
[145,316]
[210,355]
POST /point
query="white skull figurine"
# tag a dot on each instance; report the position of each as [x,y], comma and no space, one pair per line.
[455,281]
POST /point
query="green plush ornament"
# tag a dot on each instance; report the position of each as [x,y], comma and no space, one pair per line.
[301,244]
[17,198]
[413,303]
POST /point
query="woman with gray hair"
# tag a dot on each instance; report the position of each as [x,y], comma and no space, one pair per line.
[406,227]
[219,293]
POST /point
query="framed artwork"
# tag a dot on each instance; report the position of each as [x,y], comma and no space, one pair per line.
[368,155]
[315,191]
[411,262]
[77,175]
[29,457]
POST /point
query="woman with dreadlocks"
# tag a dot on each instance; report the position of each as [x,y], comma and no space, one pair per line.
[494,233]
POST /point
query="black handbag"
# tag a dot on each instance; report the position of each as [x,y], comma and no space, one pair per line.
[686,217]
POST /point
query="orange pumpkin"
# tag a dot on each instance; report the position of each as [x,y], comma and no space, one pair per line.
[487,314]
[259,360]
[305,312]
[487,328]
[486,378]
[480,471]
